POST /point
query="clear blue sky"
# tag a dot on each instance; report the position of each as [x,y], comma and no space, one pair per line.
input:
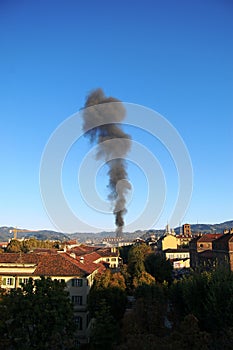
[175,57]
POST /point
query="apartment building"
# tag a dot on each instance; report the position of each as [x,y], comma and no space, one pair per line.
[179,257]
[200,249]
[76,269]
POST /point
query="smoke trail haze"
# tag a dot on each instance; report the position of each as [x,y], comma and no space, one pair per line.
[97,110]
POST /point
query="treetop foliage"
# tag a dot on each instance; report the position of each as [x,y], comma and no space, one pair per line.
[16,246]
[37,316]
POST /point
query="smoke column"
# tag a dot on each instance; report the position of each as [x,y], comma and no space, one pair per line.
[98,108]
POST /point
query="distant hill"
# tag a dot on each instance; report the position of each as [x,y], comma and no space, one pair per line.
[5,233]
[216,228]
[196,228]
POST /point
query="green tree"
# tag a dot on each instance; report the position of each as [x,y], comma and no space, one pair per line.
[151,308]
[208,296]
[159,267]
[104,330]
[14,246]
[136,259]
[144,279]
[188,336]
[127,277]
[143,326]
[188,296]
[37,316]
[124,252]
[110,288]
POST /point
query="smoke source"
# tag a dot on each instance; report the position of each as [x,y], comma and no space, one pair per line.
[98,110]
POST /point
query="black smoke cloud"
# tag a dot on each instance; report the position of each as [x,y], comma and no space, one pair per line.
[99,109]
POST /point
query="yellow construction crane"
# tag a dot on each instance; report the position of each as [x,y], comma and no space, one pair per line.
[15,230]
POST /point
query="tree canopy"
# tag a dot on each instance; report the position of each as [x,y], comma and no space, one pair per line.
[109,287]
[26,245]
[37,316]
[159,267]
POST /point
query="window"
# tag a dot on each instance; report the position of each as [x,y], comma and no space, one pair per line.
[113,259]
[8,281]
[77,299]
[77,282]
[23,280]
[79,322]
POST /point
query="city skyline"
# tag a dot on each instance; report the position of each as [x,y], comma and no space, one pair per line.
[174,59]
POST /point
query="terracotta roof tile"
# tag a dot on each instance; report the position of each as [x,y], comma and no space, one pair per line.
[57,265]
[51,264]
[106,252]
[225,237]
[86,265]
[92,257]
[82,250]
[20,258]
[209,237]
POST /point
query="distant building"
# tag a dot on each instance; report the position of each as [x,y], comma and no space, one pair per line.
[223,250]
[169,245]
[211,250]
[180,258]
[199,245]
[186,230]
[185,236]
[116,241]
[167,241]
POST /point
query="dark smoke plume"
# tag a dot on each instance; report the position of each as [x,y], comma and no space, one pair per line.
[100,109]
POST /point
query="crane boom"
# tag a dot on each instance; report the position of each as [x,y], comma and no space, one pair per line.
[15,230]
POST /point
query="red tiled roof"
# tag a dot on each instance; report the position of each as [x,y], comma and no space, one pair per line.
[44,250]
[73,241]
[106,252]
[225,237]
[209,237]
[82,249]
[52,264]
[20,258]
[87,266]
[91,257]
[58,265]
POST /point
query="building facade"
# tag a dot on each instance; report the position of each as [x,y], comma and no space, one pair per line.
[211,250]
[77,270]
